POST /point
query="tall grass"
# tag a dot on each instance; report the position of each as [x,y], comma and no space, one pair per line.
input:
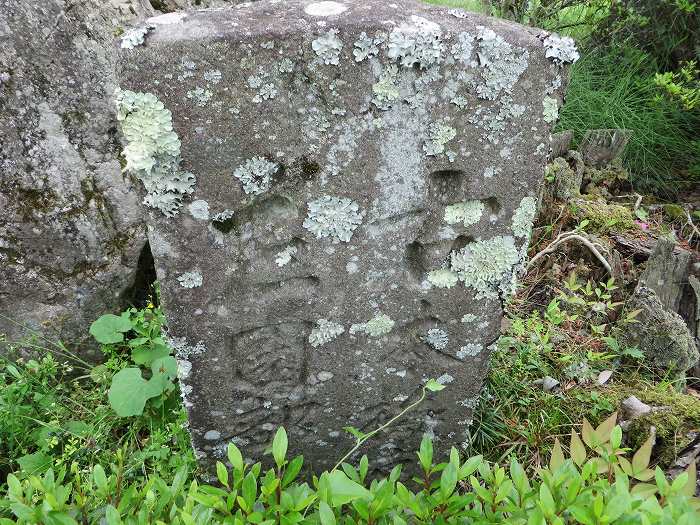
[615,89]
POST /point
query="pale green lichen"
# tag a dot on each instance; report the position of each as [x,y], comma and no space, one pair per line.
[523,217]
[416,43]
[438,136]
[152,151]
[550,111]
[190,279]
[199,209]
[378,326]
[469,350]
[487,266]
[334,217]
[443,278]
[437,338]
[462,49]
[469,318]
[366,46]
[256,175]
[200,96]
[135,36]
[328,47]
[501,64]
[561,49]
[467,212]
[386,91]
[285,256]
[324,332]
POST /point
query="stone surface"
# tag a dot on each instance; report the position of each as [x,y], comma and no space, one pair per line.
[70,224]
[340,194]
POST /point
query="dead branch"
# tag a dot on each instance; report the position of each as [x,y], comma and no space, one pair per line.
[581,237]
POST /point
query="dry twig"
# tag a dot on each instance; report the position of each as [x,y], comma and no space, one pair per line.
[581,237]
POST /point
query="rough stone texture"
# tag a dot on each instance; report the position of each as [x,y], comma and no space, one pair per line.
[354,172]
[600,146]
[70,224]
[660,334]
[666,272]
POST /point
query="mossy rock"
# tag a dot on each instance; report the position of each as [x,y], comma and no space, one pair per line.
[674,212]
[674,422]
[603,216]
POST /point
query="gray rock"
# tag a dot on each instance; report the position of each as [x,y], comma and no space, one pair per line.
[661,335]
[369,171]
[70,224]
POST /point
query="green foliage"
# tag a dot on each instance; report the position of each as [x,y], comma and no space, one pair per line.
[596,485]
[53,417]
[615,88]
[130,391]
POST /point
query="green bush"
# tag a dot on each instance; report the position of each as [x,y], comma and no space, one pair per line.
[596,486]
[616,88]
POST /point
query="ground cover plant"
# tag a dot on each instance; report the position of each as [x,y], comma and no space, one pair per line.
[108,444]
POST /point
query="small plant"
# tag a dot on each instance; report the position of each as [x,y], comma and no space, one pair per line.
[596,485]
[593,303]
[139,333]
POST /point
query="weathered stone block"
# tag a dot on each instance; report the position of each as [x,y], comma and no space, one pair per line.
[341,193]
[71,227]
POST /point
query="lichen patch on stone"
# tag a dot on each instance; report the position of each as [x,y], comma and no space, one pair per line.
[561,49]
[379,325]
[328,47]
[152,152]
[416,43]
[324,332]
[486,266]
[135,36]
[285,256]
[467,212]
[256,175]
[334,217]
[443,278]
[190,279]
[523,217]
[326,8]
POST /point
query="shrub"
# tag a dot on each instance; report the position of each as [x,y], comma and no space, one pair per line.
[596,485]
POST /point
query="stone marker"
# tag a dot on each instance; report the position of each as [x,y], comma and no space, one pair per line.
[340,195]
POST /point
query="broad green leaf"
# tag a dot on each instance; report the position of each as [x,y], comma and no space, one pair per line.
[557,459]
[129,392]
[434,386]
[36,463]
[588,434]
[279,447]
[343,490]
[425,452]
[222,473]
[448,480]
[689,489]
[606,427]
[99,476]
[325,514]
[235,457]
[292,470]
[577,448]
[110,328]
[640,460]
[145,355]
[547,501]
[616,437]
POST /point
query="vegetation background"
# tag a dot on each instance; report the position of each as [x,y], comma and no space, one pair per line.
[109,444]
